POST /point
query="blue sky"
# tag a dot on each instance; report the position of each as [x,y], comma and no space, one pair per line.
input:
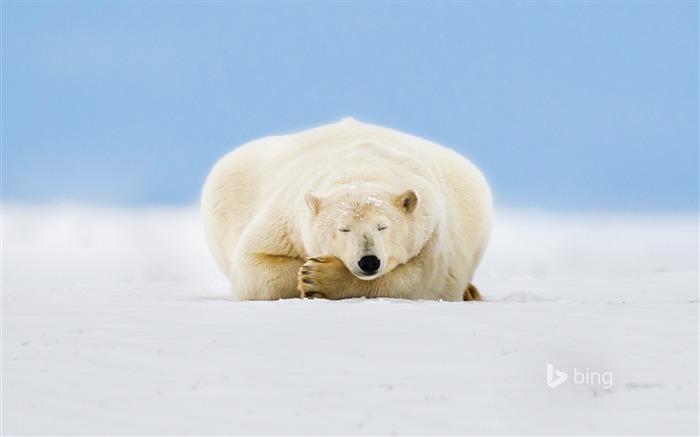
[564,105]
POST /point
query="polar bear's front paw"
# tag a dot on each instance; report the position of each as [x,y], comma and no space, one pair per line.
[319,277]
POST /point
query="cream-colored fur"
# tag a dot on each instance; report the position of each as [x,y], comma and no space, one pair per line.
[295,214]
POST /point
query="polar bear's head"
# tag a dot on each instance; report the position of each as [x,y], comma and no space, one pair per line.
[369,229]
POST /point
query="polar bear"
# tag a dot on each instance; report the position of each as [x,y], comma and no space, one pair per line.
[347,210]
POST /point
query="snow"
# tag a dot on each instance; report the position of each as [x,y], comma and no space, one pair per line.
[371,200]
[116,321]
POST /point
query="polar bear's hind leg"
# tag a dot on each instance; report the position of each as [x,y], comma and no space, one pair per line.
[472,293]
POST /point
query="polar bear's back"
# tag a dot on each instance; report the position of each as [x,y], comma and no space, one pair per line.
[314,151]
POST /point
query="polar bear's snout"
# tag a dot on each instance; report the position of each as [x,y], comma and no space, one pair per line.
[367,259]
[369,264]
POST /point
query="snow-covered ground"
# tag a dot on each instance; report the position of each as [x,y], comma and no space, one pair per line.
[116,322]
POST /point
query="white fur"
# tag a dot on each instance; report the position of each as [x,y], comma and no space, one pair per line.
[272,203]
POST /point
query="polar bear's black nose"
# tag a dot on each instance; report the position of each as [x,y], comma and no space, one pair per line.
[369,264]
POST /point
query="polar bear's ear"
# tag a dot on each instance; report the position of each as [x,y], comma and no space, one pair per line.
[408,201]
[313,202]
